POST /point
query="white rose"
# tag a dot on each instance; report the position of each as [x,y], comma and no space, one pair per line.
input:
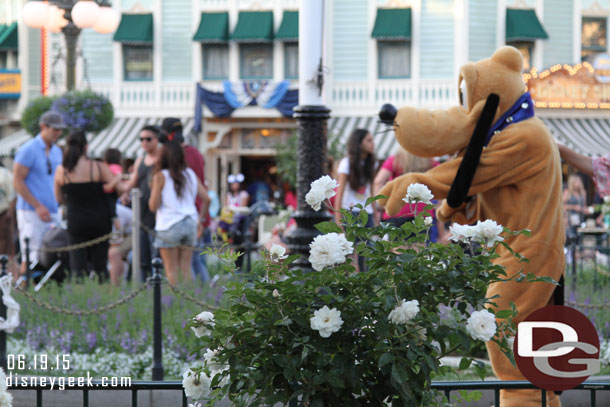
[461,233]
[418,193]
[321,189]
[196,386]
[428,220]
[204,320]
[277,252]
[488,232]
[211,361]
[481,325]
[6,399]
[276,293]
[404,312]
[329,250]
[326,321]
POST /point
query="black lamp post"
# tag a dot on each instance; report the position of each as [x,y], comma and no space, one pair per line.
[312,117]
[69,17]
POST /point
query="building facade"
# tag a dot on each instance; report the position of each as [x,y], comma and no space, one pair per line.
[405,52]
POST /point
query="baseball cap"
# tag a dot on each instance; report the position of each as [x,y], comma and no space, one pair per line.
[172,127]
[52,119]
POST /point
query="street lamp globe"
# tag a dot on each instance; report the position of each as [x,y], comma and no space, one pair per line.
[56,20]
[108,20]
[35,14]
[85,13]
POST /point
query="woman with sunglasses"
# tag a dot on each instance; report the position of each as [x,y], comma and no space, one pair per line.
[79,184]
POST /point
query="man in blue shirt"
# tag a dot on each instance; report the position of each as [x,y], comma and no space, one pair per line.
[34,169]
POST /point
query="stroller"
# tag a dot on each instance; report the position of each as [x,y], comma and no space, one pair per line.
[50,264]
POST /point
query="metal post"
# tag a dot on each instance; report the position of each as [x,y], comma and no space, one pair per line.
[28,273]
[157,370]
[136,271]
[71,33]
[3,264]
[312,118]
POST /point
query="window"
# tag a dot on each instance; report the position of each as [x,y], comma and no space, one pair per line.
[291,60]
[256,61]
[138,63]
[526,49]
[593,37]
[393,59]
[215,61]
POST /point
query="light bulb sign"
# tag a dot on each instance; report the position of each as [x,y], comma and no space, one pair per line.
[557,348]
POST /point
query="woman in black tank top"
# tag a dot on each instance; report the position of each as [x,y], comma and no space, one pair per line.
[79,184]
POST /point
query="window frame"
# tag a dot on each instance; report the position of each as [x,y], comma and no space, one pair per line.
[203,61]
[124,50]
[286,76]
[381,44]
[268,45]
[594,49]
[531,45]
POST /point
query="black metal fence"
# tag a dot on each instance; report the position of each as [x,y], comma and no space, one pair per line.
[445,387]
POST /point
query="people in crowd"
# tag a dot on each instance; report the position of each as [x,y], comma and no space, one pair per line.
[141,177]
[79,184]
[172,129]
[596,167]
[120,244]
[112,157]
[173,193]
[574,206]
[236,197]
[7,198]
[33,174]
[403,162]
[356,172]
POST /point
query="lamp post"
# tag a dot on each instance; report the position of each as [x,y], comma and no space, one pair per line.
[69,17]
[312,117]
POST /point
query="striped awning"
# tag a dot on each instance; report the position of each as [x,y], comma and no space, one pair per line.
[589,136]
[10,143]
[123,134]
[385,142]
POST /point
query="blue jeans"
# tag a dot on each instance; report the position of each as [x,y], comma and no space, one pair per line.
[199,268]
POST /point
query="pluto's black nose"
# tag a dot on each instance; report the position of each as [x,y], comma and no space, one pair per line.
[387,114]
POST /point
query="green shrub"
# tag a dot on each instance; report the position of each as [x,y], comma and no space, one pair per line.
[32,113]
[84,110]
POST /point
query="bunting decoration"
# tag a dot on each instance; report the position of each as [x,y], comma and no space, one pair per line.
[236,95]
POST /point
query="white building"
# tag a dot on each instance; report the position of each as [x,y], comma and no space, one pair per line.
[405,52]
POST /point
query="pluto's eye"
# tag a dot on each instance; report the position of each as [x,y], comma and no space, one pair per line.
[463,95]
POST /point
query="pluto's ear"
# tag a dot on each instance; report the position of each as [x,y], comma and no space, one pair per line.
[463,179]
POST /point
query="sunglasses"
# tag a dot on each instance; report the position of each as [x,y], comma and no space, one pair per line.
[145,138]
[49,166]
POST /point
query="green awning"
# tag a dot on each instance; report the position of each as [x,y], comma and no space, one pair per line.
[9,39]
[213,28]
[392,24]
[253,26]
[135,29]
[523,25]
[289,29]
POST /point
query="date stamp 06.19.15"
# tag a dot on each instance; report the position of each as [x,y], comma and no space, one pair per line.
[37,362]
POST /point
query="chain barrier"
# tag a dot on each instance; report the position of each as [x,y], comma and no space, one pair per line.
[589,306]
[186,296]
[77,246]
[81,313]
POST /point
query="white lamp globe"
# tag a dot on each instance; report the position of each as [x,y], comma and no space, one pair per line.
[108,21]
[85,13]
[56,20]
[35,13]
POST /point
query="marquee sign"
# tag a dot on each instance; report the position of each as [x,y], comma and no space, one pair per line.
[10,83]
[582,86]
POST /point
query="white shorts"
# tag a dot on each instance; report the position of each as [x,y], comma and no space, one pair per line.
[30,225]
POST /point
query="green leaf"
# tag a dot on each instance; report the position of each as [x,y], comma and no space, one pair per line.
[384,360]
[328,227]
[504,314]
[334,380]
[465,363]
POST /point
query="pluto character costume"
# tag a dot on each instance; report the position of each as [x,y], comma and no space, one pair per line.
[517,182]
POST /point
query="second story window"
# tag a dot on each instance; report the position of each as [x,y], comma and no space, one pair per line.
[256,61]
[137,63]
[593,37]
[215,61]
[526,50]
[393,59]
[523,29]
[392,31]
[291,60]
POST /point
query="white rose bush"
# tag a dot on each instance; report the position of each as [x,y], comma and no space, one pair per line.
[334,337]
